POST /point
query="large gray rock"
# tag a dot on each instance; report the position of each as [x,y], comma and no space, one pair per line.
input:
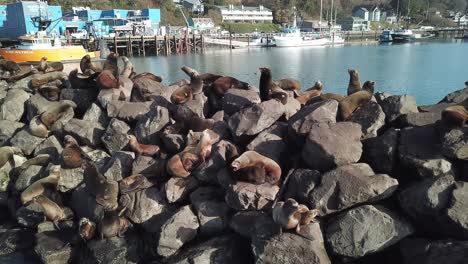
[96,114]
[13,105]
[236,99]
[211,210]
[87,133]
[50,146]
[423,251]
[254,225]
[30,215]
[142,205]
[14,240]
[120,165]
[290,248]
[302,122]
[70,179]
[458,208]
[8,129]
[178,230]
[197,104]
[253,120]
[270,143]
[381,152]
[85,205]
[418,119]
[456,97]
[228,249]
[149,167]
[350,185]
[420,152]
[83,98]
[25,141]
[178,189]
[371,118]
[54,247]
[115,137]
[147,128]
[301,183]
[246,196]
[455,144]
[396,105]
[329,145]
[365,230]
[436,108]
[36,105]
[115,250]
[28,177]
[127,111]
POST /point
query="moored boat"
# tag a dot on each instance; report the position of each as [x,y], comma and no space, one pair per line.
[386,36]
[293,38]
[403,35]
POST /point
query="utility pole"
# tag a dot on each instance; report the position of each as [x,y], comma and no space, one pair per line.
[398,12]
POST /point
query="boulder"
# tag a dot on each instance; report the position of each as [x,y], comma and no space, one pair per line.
[127,111]
[53,247]
[290,248]
[456,97]
[371,118]
[115,137]
[419,152]
[13,105]
[14,240]
[381,152]
[396,105]
[350,185]
[254,225]
[455,144]
[87,133]
[85,205]
[115,250]
[95,114]
[235,100]
[302,122]
[147,128]
[50,146]
[25,141]
[252,120]
[365,230]
[178,189]
[417,119]
[143,204]
[211,210]
[8,129]
[83,98]
[120,165]
[27,177]
[70,179]
[228,249]
[291,107]
[149,167]
[197,105]
[436,108]
[456,211]
[270,143]
[424,251]
[329,145]
[30,215]
[246,196]
[178,230]
[301,183]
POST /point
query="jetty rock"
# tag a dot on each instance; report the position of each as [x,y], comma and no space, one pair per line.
[210,170]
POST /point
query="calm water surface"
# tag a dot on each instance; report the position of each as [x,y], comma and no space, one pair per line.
[426,70]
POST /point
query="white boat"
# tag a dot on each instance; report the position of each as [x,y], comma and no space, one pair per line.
[259,41]
[293,38]
[402,35]
[465,36]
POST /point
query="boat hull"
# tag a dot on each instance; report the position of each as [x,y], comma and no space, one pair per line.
[285,42]
[401,38]
[64,54]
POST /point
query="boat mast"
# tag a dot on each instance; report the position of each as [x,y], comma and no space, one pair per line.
[398,12]
[331,15]
[320,21]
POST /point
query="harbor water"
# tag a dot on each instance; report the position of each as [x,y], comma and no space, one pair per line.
[426,70]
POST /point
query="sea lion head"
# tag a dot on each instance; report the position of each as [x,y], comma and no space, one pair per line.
[176,168]
[352,72]
[264,70]
[237,163]
[86,228]
[369,86]
[70,141]
[43,59]
[55,169]
[181,95]
[318,86]
[466,83]
[190,160]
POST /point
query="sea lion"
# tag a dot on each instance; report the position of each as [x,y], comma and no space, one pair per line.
[289,85]
[269,89]
[209,78]
[456,115]
[42,66]
[332,96]
[10,66]
[369,86]
[182,95]
[112,225]
[39,186]
[354,83]
[86,65]
[133,183]
[46,78]
[253,159]
[86,229]
[52,211]
[207,140]
[109,77]
[223,84]
[72,155]
[314,91]
[41,160]
[350,103]
[291,214]
[196,83]
[147,75]
[50,92]
[142,149]
[190,121]
[53,113]
[104,190]
[21,75]
[55,66]
[81,81]
[128,67]
[7,152]
[37,128]
[182,164]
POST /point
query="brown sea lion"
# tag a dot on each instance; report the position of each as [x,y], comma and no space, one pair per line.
[133,183]
[279,94]
[128,67]
[182,164]
[196,83]
[86,229]
[86,65]
[289,85]
[41,160]
[6,154]
[314,91]
[182,95]
[269,89]
[72,155]
[39,186]
[112,225]
[354,82]
[46,78]
[209,78]
[37,128]
[42,66]
[109,77]
[142,149]
[51,210]
[55,112]
[456,115]
[104,190]
[292,215]
[191,121]
[221,85]
[207,140]
[350,103]
[332,96]
[252,158]
[55,66]
[50,92]
[369,86]
[21,75]
[147,75]
[8,65]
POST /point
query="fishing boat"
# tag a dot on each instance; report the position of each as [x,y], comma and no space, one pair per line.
[260,41]
[402,35]
[32,48]
[423,36]
[292,37]
[386,36]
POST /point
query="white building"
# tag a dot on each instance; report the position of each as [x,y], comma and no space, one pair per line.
[368,13]
[242,13]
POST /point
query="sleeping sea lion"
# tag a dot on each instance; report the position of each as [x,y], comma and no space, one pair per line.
[112,225]
[86,229]
[332,96]
[48,77]
[223,84]
[37,128]
[289,85]
[104,190]
[142,149]
[50,92]
[53,113]
[456,115]
[253,159]
[314,91]
[86,65]
[109,77]
[354,83]
[350,103]
[52,211]
[292,215]
[133,183]
[72,155]
[55,66]
[39,186]
[147,75]
[6,154]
